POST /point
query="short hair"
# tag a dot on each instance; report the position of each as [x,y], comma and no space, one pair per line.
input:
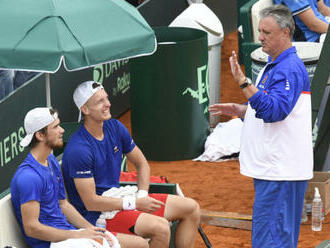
[282,15]
[34,140]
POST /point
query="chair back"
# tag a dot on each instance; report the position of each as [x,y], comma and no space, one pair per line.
[10,230]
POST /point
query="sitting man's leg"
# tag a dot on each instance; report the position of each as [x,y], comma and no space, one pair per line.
[127,241]
[187,211]
[156,228]
[184,210]
[150,226]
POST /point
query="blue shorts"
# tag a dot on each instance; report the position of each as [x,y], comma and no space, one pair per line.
[277,213]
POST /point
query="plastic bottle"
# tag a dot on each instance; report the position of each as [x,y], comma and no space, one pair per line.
[323,214]
[317,211]
[304,216]
[101,223]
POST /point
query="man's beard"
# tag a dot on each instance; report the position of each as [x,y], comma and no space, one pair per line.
[53,145]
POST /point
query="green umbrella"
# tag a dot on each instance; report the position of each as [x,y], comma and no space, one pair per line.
[37,35]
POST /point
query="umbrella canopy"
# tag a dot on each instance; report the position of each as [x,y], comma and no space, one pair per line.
[38,35]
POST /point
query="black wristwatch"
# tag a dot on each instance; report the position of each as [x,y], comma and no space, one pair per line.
[246,83]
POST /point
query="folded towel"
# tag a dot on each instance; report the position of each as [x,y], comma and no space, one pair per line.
[223,141]
[118,193]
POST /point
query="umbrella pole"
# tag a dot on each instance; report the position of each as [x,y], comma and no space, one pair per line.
[48,90]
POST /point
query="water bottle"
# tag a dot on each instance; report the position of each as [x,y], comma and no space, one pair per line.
[323,214]
[304,216]
[101,223]
[317,211]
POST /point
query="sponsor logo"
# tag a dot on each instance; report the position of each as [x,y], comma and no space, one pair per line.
[83,172]
[287,85]
[123,79]
[264,80]
[9,146]
[202,93]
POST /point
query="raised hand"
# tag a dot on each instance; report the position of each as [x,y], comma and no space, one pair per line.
[236,69]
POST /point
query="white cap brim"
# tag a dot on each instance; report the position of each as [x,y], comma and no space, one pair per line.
[26,140]
[79,118]
[83,93]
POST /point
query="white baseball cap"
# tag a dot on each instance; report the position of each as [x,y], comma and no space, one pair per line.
[83,92]
[35,120]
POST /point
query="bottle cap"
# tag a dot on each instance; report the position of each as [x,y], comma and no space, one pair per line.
[317,193]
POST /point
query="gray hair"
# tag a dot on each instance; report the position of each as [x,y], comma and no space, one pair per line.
[281,14]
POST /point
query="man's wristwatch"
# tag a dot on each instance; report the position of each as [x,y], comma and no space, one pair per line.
[246,83]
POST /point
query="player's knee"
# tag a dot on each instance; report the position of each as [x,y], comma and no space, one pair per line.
[161,228]
[196,207]
[129,241]
[193,207]
[141,243]
[193,210]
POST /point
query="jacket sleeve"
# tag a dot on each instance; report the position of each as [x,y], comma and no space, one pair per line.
[276,102]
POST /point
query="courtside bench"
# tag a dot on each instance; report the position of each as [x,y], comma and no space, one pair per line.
[11,234]
[10,231]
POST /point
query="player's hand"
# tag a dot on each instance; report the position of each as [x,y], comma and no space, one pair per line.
[110,238]
[96,233]
[148,204]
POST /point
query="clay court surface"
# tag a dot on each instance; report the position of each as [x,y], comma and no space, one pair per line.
[219,186]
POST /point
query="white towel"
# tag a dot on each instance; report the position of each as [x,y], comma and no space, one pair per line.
[86,243]
[118,193]
[223,141]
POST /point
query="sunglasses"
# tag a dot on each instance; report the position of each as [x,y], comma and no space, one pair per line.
[96,85]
